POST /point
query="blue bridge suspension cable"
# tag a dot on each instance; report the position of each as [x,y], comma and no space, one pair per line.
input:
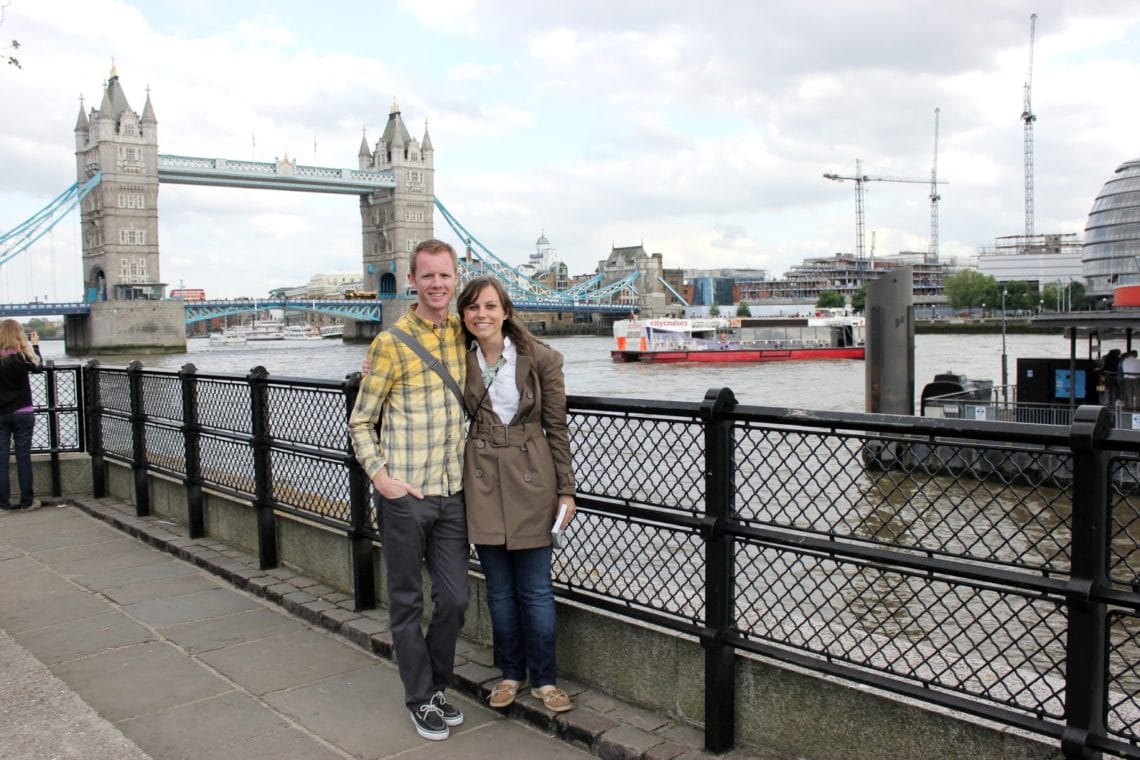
[529,294]
[24,235]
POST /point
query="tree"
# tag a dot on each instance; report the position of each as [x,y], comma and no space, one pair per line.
[1062,296]
[830,299]
[1077,298]
[47,330]
[743,310]
[714,310]
[13,45]
[859,300]
[1020,296]
[970,288]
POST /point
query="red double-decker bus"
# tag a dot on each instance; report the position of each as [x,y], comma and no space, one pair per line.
[189,294]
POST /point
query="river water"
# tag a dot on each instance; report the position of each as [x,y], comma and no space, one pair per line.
[822,385]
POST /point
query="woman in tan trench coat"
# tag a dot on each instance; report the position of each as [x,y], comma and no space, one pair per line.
[516,475]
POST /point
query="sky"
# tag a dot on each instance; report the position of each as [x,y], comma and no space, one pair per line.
[699,130]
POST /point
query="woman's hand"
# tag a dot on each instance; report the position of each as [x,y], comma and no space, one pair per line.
[570,510]
[34,338]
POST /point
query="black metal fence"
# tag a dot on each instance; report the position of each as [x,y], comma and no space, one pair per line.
[57,398]
[989,568]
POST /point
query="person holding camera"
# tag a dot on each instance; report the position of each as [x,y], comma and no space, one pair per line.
[19,356]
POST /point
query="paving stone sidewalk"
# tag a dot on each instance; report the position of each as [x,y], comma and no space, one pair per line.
[122,638]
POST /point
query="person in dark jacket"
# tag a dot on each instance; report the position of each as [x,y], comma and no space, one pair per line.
[18,357]
[1108,370]
[517,476]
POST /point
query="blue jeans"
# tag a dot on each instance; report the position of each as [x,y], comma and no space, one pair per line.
[18,426]
[520,596]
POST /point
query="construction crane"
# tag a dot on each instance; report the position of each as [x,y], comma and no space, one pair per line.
[932,254]
[1027,119]
[859,179]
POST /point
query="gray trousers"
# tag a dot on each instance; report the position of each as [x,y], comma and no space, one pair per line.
[413,530]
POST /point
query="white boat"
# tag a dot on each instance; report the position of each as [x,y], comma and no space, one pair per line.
[266,329]
[228,337]
[301,332]
[332,331]
[739,339]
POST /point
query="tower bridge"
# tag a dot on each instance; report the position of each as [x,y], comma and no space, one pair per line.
[124,305]
[282,174]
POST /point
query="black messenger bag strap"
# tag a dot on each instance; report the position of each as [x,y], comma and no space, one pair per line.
[433,364]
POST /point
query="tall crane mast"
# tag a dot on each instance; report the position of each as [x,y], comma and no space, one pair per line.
[934,196]
[1027,119]
[859,179]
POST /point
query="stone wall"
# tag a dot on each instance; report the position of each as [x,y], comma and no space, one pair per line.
[127,327]
[74,470]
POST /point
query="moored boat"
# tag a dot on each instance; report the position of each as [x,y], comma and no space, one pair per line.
[739,339]
[332,331]
[228,337]
[302,332]
[266,329]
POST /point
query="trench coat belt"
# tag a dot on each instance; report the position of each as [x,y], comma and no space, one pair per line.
[506,435]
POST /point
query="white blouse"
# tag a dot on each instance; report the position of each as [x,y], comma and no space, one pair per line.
[504,391]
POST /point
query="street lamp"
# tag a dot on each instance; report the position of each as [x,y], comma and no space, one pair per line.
[1004,358]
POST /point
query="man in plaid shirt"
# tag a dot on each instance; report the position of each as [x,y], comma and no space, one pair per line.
[416,466]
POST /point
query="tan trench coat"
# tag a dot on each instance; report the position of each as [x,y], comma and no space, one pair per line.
[513,474]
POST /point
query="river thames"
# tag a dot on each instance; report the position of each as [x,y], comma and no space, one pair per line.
[823,385]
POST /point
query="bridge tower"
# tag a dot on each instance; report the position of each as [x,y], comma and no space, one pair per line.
[119,229]
[395,220]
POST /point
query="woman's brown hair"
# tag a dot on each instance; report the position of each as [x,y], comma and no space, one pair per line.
[513,327]
[12,339]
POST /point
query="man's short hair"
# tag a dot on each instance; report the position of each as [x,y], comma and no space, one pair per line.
[433,246]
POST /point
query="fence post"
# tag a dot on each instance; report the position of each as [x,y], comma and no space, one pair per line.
[138,439]
[192,434]
[720,571]
[262,468]
[53,426]
[363,556]
[93,421]
[1085,656]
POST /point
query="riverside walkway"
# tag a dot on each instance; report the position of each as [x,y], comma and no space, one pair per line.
[121,638]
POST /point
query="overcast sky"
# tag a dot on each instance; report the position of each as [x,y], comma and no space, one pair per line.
[698,129]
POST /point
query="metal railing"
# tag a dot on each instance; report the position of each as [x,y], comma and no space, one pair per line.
[57,401]
[1003,406]
[991,568]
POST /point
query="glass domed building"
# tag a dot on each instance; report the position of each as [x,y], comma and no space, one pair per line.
[1111,255]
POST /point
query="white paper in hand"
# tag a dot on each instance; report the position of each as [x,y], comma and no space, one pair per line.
[557,534]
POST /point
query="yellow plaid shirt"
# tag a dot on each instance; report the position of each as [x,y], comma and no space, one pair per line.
[423,428]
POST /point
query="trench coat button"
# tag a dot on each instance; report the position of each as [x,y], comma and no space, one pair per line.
[523,447]
[527,477]
[478,472]
[530,394]
[480,444]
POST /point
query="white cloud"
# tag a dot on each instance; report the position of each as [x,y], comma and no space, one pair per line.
[702,129]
